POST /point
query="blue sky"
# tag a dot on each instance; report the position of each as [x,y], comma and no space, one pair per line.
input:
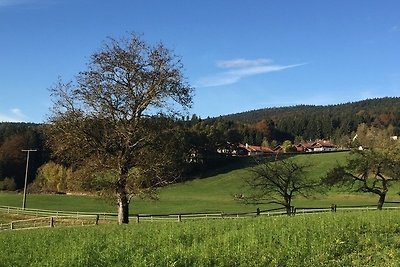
[239,55]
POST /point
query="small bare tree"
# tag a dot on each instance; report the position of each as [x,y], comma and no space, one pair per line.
[279,181]
[102,121]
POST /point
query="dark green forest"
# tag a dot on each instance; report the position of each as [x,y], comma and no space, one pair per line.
[15,137]
[197,140]
[324,122]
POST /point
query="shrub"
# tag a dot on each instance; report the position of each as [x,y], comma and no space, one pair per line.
[8,184]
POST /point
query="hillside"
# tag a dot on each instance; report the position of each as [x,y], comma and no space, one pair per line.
[332,121]
[216,193]
[367,108]
[211,193]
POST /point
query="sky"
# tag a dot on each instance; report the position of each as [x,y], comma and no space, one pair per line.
[238,55]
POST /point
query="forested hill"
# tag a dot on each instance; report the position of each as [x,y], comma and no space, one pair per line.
[332,121]
[15,137]
[368,109]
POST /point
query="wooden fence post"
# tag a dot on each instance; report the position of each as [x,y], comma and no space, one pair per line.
[333,207]
[137,218]
[11,225]
[292,210]
[179,218]
[97,219]
[51,221]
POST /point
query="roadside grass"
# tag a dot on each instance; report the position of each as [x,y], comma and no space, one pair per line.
[332,239]
[209,194]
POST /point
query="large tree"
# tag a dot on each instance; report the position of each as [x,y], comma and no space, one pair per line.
[369,171]
[372,169]
[102,122]
[279,181]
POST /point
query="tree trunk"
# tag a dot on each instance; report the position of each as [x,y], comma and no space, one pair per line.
[288,210]
[381,200]
[123,208]
[288,204]
[122,199]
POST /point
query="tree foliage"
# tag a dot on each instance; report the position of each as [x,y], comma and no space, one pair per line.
[8,184]
[53,177]
[371,170]
[14,137]
[106,119]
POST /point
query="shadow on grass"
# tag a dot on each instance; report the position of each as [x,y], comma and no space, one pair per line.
[220,164]
[215,165]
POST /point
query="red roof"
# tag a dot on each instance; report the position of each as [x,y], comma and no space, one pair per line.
[317,144]
[252,148]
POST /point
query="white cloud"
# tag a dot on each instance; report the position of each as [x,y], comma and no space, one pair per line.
[14,115]
[241,68]
[242,63]
[17,112]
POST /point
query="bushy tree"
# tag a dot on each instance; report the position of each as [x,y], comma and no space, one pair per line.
[370,170]
[8,184]
[103,121]
[52,177]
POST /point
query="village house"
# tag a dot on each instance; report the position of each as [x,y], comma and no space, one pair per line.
[251,150]
[317,146]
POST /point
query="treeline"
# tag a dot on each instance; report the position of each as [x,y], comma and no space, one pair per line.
[15,137]
[190,145]
[335,122]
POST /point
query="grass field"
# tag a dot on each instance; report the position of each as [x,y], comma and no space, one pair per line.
[214,193]
[333,239]
[369,238]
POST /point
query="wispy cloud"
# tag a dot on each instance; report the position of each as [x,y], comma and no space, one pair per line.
[243,63]
[237,69]
[395,28]
[14,115]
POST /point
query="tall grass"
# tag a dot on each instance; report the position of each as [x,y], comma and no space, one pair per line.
[340,239]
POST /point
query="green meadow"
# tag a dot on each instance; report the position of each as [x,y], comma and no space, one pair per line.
[357,238]
[208,194]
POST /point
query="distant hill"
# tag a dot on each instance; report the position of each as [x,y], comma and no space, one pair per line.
[371,108]
[331,121]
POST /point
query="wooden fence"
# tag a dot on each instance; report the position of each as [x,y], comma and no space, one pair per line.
[49,218]
[43,222]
